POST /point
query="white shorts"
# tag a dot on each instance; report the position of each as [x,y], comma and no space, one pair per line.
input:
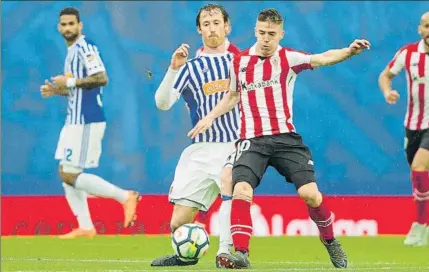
[80,145]
[197,177]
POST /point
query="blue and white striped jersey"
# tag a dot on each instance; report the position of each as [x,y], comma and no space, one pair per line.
[203,82]
[84,106]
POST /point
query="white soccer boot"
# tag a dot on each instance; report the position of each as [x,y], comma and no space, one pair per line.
[416,234]
[424,237]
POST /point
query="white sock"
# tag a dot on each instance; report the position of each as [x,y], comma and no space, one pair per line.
[78,203]
[96,186]
[225,237]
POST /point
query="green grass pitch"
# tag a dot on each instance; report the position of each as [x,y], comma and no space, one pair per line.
[134,253]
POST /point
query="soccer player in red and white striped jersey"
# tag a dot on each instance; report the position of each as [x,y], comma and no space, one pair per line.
[415,59]
[262,79]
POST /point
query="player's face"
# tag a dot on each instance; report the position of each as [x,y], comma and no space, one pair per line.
[69,27]
[268,36]
[213,28]
[424,28]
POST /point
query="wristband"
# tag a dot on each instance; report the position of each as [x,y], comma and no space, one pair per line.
[71,82]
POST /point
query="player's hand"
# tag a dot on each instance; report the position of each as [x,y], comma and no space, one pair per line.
[358,45]
[60,82]
[201,127]
[391,97]
[180,56]
[47,90]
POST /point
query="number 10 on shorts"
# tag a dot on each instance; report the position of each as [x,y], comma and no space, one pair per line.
[242,146]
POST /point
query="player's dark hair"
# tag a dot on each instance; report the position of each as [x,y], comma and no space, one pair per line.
[210,7]
[270,15]
[70,11]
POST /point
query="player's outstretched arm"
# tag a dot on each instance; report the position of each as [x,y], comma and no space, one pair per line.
[385,83]
[166,95]
[225,105]
[335,56]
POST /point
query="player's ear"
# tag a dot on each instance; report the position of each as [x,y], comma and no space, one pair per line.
[282,34]
[199,30]
[419,30]
[80,25]
[59,27]
[227,28]
[256,33]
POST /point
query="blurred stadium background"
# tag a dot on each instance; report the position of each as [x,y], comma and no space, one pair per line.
[355,137]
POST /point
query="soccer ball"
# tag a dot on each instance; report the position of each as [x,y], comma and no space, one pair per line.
[190,242]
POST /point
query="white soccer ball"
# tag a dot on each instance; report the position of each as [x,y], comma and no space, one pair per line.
[190,242]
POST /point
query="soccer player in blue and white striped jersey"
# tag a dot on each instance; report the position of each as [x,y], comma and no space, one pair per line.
[80,142]
[202,82]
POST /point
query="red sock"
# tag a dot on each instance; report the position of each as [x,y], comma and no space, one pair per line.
[421,195]
[241,224]
[322,217]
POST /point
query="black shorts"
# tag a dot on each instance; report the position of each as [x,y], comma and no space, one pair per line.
[285,152]
[415,139]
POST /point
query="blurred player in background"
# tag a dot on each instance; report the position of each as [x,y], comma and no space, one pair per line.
[80,141]
[415,59]
[262,80]
[202,82]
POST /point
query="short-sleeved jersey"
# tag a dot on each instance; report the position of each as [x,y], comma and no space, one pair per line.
[266,86]
[84,106]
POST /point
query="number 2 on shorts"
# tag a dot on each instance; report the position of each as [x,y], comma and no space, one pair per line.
[68,153]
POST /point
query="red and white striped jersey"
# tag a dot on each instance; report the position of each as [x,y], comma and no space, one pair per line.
[266,90]
[415,60]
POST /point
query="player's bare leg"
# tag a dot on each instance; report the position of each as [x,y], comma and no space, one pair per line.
[419,232]
[225,237]
[321,215]
[241,228]
[181,215]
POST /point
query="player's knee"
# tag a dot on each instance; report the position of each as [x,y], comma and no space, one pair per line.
[243,190]
[310,194]
[416,166]
[182,215]
[174,226]
[67,177]
[421,160]
[176,222]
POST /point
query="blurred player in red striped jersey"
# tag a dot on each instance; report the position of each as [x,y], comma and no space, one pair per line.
[415,59]
[262,80]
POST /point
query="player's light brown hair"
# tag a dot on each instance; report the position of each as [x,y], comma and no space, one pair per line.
[70,11]
[210,7]
[270,15]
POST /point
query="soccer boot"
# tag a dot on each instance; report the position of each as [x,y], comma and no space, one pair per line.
[415,235]
[130,207]
[236,260]
[336,253]
[424,237]
[222,254]
[79,233]
[171,260]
